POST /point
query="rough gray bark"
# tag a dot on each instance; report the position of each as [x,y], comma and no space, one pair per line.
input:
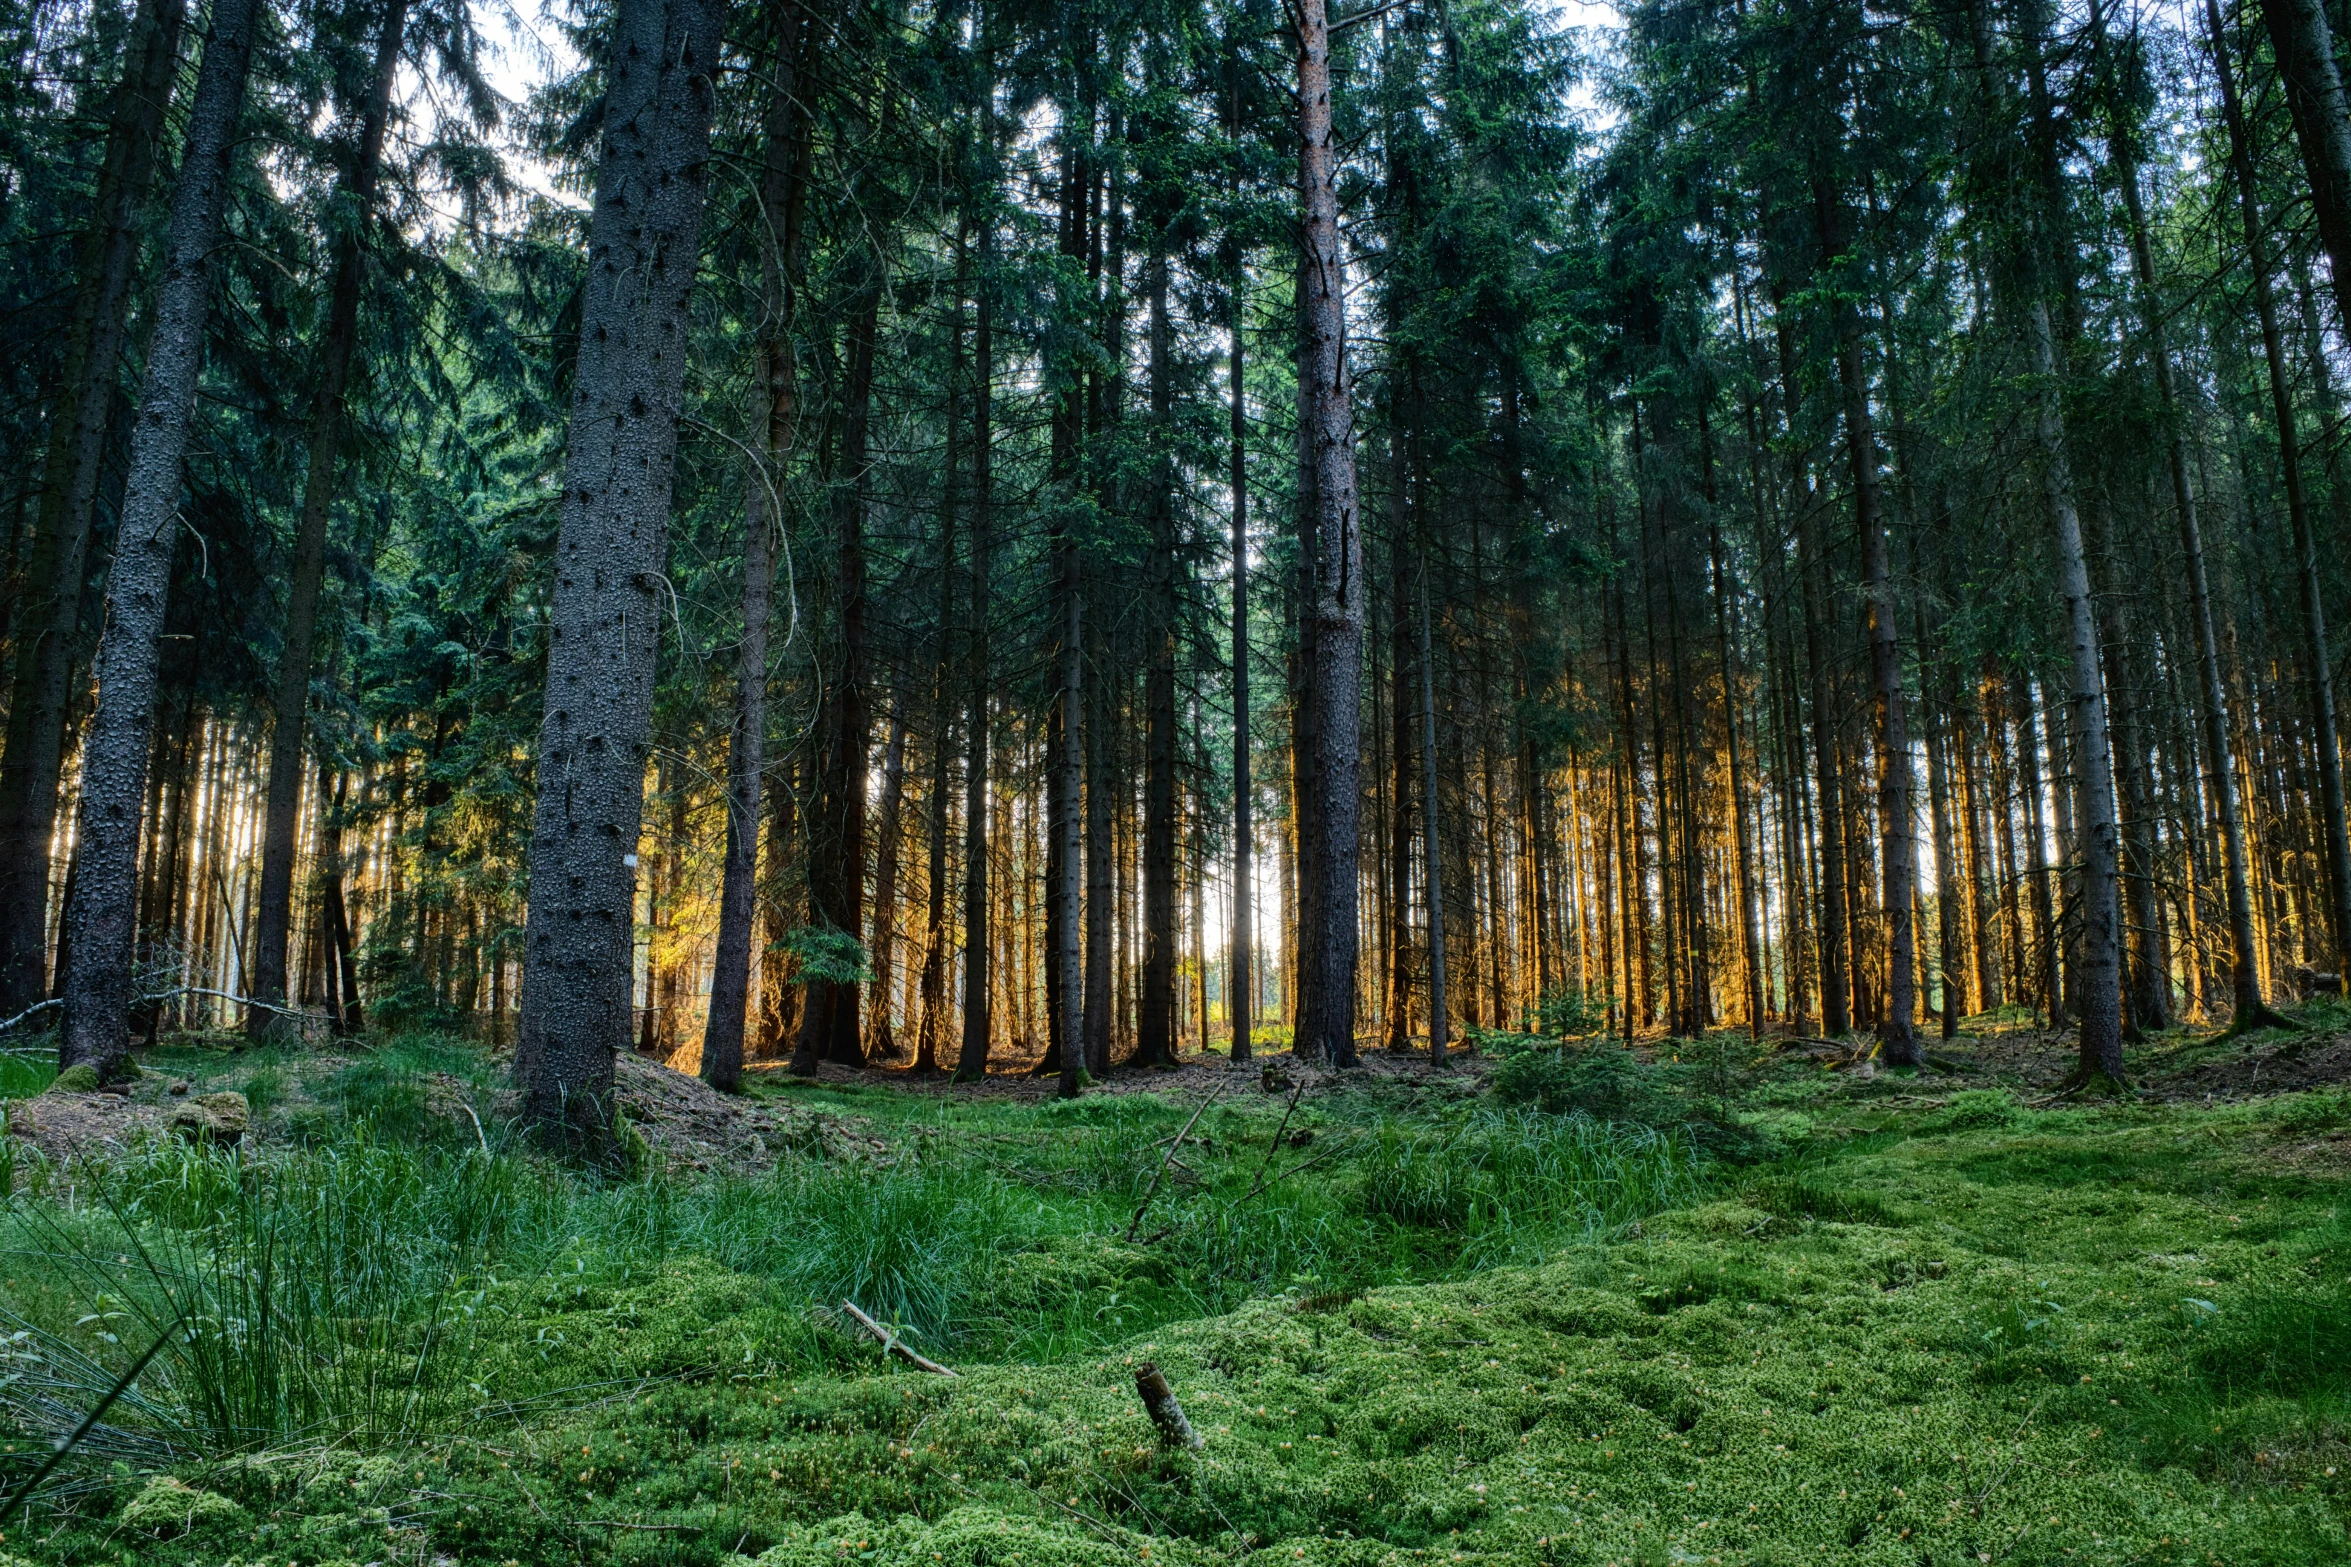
[102,905]
[1328,944]
[643,245]
[291,693]
[50,595]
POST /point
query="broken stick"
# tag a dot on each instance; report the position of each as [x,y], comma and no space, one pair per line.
[1159,1402]
[892,1343]
[1160,1174]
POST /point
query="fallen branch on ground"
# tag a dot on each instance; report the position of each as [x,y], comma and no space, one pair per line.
[891,1342]
[1160,1174]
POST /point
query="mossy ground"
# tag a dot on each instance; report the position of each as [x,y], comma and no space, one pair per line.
[1937,1328]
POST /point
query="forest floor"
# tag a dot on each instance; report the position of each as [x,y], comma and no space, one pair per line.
[1703,1302]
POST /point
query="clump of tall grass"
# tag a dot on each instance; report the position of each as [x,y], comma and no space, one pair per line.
[317,1296]
[1515,1183]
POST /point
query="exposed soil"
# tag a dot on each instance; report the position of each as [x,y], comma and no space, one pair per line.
[695,1127]
[688,1125]
[62,1123]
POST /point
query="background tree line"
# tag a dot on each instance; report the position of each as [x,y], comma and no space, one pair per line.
[995,534]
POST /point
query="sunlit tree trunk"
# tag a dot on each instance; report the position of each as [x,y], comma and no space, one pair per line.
[2220,780]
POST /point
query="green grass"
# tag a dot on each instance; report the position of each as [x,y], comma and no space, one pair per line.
[1934,1328]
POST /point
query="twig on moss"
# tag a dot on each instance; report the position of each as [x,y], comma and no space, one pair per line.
[891,1342]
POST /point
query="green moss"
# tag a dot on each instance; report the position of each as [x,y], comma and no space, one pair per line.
[2089,1336]
[170,1508]
[78,1079]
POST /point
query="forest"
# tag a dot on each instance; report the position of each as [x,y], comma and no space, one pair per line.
[997,784]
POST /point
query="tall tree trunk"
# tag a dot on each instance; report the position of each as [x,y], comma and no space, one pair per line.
[2221,783]
[774,423]
[2099,992]
[971,1061]
[829,1028]
[1403,727]
[1240,983]
[1836,1016]
[643,248]
[2304,44]
[933,1031]
[1155,1035]
[1897,1031]
[1337,608]
[102,908]
[1750,946]
[49,599]
[1949,965]
[1432,874]
[291,692]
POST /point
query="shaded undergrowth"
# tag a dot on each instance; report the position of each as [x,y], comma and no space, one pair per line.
[1416,1323]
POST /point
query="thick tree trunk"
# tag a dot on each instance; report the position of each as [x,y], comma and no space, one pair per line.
[643,248]
[49,602]
[102,906]
[1329,944]
[291,692]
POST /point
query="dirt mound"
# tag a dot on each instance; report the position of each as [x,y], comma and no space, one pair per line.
[62,1122]
[2275,1064]
[693,1126]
